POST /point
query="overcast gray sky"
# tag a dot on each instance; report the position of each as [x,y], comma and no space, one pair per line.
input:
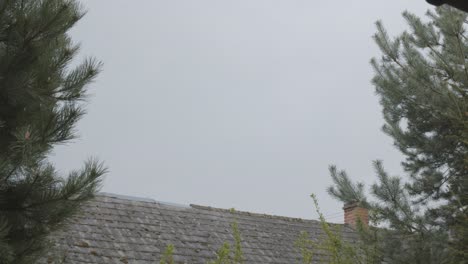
[238,104]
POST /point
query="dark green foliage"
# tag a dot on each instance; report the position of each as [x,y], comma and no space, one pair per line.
[422,82]
[41,99]
[348,190]
[405,235]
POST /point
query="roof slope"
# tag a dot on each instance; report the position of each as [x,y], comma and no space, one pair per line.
[115,229]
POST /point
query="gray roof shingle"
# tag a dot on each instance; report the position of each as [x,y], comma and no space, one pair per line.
[117,229]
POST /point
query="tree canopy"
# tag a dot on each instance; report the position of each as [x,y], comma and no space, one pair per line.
[421,79]
[42,93]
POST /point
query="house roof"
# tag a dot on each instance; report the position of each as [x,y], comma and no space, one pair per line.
[122,229]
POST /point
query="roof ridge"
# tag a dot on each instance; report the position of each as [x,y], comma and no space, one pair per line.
[267,216]
[126,197]
[209,208]
[140,199]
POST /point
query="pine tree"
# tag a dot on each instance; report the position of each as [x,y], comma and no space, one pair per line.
[422,82]
[41,99]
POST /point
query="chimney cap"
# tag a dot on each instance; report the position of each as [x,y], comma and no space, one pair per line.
[352,204]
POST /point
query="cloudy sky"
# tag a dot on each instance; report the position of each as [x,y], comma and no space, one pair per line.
[238,104]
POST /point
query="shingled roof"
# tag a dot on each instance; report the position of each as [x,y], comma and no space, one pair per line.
[117,229]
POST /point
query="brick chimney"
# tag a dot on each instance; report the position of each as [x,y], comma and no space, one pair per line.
[353,212]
